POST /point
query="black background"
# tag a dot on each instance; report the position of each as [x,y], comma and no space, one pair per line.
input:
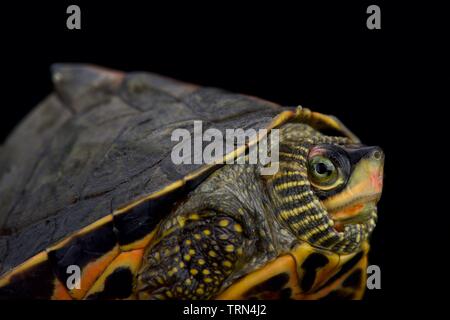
[319,55]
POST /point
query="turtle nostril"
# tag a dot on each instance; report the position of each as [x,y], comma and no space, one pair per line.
[377,154]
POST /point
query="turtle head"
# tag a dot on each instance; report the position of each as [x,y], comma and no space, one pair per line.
[327,188]
[348,182]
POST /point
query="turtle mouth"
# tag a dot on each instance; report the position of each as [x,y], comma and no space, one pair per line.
[355,211]
[356,203]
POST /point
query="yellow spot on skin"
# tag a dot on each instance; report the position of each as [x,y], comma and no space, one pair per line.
[206,232]
[166,252]
[169,294]
[181,264]
[188,242]
[212,253]
[176,249]
[227,264]
[170,273]
[239,251]
[194,272]
[174,269]
[206,271]
[224,223]
[188,281]
[229,248]
[201,262]
[160,280]
[237,227]
[191,252]
[208,280]
[179,289]
[194,216]
[187,257]
[200,291]
[197,236]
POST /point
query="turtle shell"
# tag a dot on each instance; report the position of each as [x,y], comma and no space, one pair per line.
[92,162]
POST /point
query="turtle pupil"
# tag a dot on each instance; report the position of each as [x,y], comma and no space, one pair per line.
[322,169]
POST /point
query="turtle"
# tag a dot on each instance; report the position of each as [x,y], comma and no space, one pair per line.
[93,206]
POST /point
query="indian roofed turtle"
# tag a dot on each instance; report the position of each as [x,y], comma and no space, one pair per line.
[87,180]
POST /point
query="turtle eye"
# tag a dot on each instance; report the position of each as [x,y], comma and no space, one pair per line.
[323,173]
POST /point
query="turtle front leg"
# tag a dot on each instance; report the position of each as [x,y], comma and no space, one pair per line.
[191,257]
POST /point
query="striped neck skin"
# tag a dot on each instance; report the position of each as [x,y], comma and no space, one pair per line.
[300,209]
